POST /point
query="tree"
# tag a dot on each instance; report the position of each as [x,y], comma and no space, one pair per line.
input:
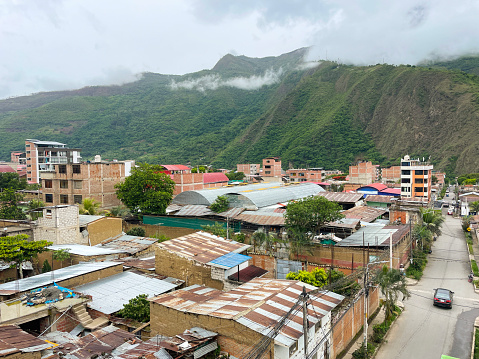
[432,220]
[316,277]
[216,229]
[474,206]
[305,217]
[89,206]
[46,266]
[221,204]
[137,231]
[146,190]
[235,176]
[434,180]
[61,255]
[268,241]
[12,180]
[120,211]
[18,249]
[9,205]
[32,206]
[137,309]
[392,283]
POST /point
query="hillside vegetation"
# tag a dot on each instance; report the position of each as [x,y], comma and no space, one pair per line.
[245,109]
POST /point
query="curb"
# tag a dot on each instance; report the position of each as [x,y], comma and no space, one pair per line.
[474,327]
[387,335]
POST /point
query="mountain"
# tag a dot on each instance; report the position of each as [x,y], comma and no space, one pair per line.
[320,114]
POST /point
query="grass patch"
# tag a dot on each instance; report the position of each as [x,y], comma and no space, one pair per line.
[475,270]
[416,268]
[476,344]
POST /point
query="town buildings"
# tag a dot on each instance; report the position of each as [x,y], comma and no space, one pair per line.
[391,174]
[415,178]
[42,156]
[304,174]
[249,168]
[272,167]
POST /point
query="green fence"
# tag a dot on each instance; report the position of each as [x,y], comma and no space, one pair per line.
[182,222]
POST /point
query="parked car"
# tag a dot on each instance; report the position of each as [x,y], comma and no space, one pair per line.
[443,297]
[450,211]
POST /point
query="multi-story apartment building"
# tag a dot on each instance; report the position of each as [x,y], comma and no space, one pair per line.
[18,157]
[70,183]
[326,173]
[271,167]
[363,173]
[391,174]
[249,168]
[303,174]
[41,156]
[415,178]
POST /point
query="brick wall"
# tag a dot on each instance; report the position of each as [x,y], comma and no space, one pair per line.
[67,322]
[266,262]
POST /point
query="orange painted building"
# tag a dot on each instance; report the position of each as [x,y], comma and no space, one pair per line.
[415,178]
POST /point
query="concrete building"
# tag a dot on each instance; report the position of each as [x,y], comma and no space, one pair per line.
[41,156]
[249,168]
[305,174]
[60,225]
[243,316]
[363,173]
[415,178]
[71,183]
[18,157]
[271,167]
[391,174]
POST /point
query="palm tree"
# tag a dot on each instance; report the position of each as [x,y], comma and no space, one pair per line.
[89,206]
[432,220]
[474,206]
[392,283]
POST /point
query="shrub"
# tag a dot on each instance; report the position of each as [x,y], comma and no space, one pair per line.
[476,344]
[474,268]
[361,352]
[46,267]
[137,231]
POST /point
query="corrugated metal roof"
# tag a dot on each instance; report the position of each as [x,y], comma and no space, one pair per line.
[261,219]
[375,235]
[229,260]
[378,198]
[215,177]
[111,293]
[14,340]
[377,186]
[128,244]
[342,197]
[248,273]
[364,213]
[86,251]
[141,263]
[205,350]
[45,279]
[176,167]
[85,219]
[202,247]
[257,304]
[194,210]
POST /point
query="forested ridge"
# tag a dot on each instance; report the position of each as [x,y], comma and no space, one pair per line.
[327,115]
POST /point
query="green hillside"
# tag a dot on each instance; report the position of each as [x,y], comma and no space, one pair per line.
[327,116]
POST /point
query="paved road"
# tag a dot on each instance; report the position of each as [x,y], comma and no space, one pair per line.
[425,331]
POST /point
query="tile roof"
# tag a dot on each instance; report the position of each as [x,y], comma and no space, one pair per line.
[341,197]
[201,246]
[257,304]
[176,167]
[6,168]
[364,213]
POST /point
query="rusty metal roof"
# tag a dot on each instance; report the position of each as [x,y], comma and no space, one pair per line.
[341,197]
[202,247]
[141,263]
[257,304]
[364,213]
[14,340]
[378,198]
[248,273]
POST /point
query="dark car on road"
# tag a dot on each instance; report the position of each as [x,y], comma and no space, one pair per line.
[443,297]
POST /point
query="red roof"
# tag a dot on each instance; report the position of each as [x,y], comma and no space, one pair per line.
[6,168]
[176,167]
[378,186]
[396,191]
[214,177]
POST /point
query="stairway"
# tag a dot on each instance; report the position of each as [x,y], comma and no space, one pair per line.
[85,320]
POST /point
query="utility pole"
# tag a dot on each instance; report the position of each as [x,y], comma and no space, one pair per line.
[410,237]
[366,295]
[305,321]
[227,228]
[390,250]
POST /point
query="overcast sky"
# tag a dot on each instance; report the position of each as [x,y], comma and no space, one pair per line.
[50,45]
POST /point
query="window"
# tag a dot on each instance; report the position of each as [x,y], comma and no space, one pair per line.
[77,184]
[301,175]
[63,184]
[405,163]
[77,199]
[76,169]
[405,189]
[64,199]
[405,180]
[62,169]
[293,348]
[48,199]
[419,189]
[48,184]
[267,172]
[419,172]
[405,172]
[267,166]
[49,213]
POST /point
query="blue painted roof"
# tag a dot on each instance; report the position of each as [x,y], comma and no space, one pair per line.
[230,260]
